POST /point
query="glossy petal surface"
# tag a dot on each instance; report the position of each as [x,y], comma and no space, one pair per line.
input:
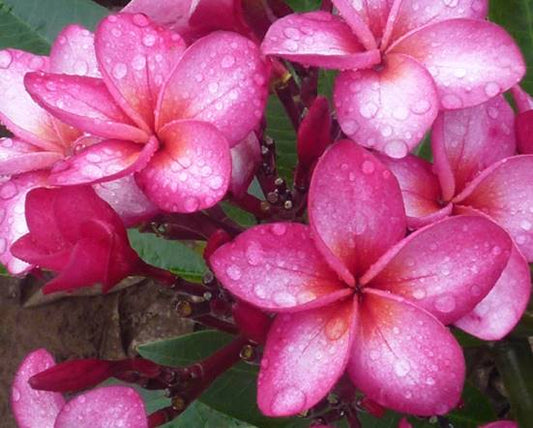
[245,159]
[18,112]
[388,110]
[505,194]
[355,208]
[305,355]
[17,157]
[317,39]
[471,61]
[420,189]
[374,13]
[277,267]
[222,80]
[173,14]
[524,132]
[445,268]
[12,221]
[136,57]
[104,161]
[498,313]
[31,408]
[73,52]
[191,171]
[108,407]
[466,141]
[404,358]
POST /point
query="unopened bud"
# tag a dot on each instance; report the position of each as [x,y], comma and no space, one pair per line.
[314,133]
[253,323]
[215,241]
[372,407]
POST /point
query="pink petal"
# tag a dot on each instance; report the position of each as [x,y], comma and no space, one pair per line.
[17,156]
[18,112]
[355,208]
[31,408]
[136,57]
[173,14]
[404,358]
[504,192]
[420,190]
[276,267]
[105,161]
[466,141]
[245,159]
[12,221]
[222,80]
[108,407]
[192,169]
[445,268]
[389,110]
[471,61]
[374,14]
[415,13]
[524,101]
[524,132]
[317,39]
[127,200]
[498,313]
[305,355]
[83,102]
[73,52]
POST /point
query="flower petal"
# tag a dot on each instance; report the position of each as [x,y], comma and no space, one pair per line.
[404,358]
[83,102]
[136,57]
[245,159]
[305,354]
[445,268]
[498,313]
[317,39]
[420,188]
[105,161]
[18,112]
[415,13]
[173,14]
[127,199]
[388,110]
[12,221]
[471,61]
[73,52]
[524,132]
[277,267]
[466,141]
[504,192]
[17,157]
[192,169]
[32,408]
[524,101]
[112,406]
[355,208]
[233,89]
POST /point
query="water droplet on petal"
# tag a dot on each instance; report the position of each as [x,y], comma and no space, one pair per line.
[228,61]
[279,229]
[234,272]
[120,70]
[526,225]
[191,204]
[396,149]
[288,400]
[492,89]
[139,62]
[445,304]
[140,19]
[421,107]
[401,367]
[284,299]
[149,40]
[336,327]
[368,167]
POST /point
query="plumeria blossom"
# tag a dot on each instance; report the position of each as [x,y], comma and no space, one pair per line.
[476,173]
[40,140]
[524,120]
[102,407]
[167,114]
[74,232]
[351,294]
[401,61]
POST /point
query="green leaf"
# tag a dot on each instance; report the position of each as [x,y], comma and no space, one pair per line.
[170,255]
[279,127]
[326,82]
[304,5]
[517,18]
[34,24]
[238,215]
[239,383]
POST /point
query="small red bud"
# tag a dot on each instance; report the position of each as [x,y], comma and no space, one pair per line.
[314,133]
[524,132]
[372,407]
[252,323]
[73,376]
[216,240]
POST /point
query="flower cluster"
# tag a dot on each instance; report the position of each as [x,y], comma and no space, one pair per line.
[355,273]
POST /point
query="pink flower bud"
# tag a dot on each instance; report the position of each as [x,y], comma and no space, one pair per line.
[252,323]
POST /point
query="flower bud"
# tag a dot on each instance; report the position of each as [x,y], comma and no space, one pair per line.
[252,323]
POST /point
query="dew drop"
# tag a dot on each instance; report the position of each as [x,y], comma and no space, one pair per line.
[191,204]
[451,101]
[292,33]
[279,229]
[120,70]
[140,20]
[234,272]
[368,110]
[421,107]
[290,45]
[81,68]
[335,328]
[445,304]
[368,167]
[149,40]
[419,294]
[526,225]
[227,61]
[284,299]
[396,149]
[139,62]
[492,89]
[401,368]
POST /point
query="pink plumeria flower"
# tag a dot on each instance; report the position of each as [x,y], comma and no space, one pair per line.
[401,62]
[351,293]
[40,140]
[167,114]
[112,406]
[524,120]
[476,173]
